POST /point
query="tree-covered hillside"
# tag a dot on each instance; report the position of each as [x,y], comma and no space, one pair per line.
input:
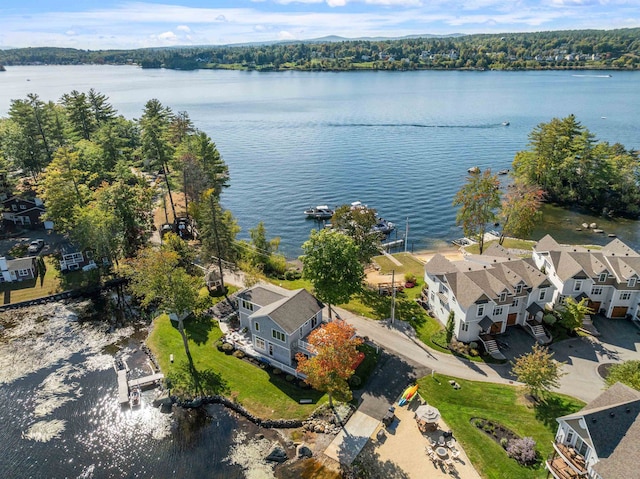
[610,49]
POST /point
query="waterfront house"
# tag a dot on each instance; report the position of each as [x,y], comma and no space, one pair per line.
[20,269]
[73,259]
[488,293]
[278,320]
[23,211]
[601,441]
[608,278]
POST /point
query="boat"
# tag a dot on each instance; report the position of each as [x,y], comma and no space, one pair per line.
[505,123]
[320,212]
[474,170]
[463,242]
[408,395]
[135,397]
[383,226]
[504,172]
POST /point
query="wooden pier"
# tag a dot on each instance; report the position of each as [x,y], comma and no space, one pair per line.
[123,387]
[145,381]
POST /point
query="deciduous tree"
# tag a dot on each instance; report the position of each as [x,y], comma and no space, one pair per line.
[358,222]
[627,373]
[572,313]
[335,347]
[331,263]
[537,370]
[478,200]
[520,210]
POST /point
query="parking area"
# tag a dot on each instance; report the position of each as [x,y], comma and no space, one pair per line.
[52,241]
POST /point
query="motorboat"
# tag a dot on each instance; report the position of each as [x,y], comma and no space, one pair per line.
[503,172]
[463,242]
[135,397]
[320,212]
[474,170]
[383,226]
[505,123]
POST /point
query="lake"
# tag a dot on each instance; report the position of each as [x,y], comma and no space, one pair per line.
[400,142]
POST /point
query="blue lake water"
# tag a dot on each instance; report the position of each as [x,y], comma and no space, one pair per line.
[400,142]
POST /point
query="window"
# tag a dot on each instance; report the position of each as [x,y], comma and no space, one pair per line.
[543,294]
[464,327]
[14,207]
[516,302]
[503,297]
[632,282]
[497,311]
[569,437]
[256,326]
[23,207]
[279,335]
[314,321]
[247,305]
[24,272]
[596,291]
[624,296]
[603,277]
[562,299]
[260,344]
[480,309]
[577,286]
[519,289]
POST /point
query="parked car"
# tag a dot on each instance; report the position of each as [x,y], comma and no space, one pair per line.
[35,246]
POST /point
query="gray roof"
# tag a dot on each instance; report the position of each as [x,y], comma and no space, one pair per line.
[291,313]
[439,265]
[613,424]
[485,323]
[20,263]
[263,294]
[547,243]
[534,308]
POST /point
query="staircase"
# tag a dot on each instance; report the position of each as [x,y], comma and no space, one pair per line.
[538,332]
[491,346]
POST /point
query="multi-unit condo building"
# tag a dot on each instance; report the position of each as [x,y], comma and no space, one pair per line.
[601,441]
[491,292]
[609,278]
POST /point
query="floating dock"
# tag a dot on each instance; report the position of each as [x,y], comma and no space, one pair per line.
[145,381]
[123,387]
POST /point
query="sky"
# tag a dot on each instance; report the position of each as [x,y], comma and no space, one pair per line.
[107,24]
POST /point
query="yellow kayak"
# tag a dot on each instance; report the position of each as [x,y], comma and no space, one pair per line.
[408,394]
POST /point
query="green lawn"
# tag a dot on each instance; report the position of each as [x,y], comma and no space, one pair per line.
[508,243]
[505,405]
[262,393]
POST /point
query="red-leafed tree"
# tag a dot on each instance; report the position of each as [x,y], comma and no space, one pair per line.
[336,351]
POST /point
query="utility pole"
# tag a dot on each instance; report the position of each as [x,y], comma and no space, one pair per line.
[393,295]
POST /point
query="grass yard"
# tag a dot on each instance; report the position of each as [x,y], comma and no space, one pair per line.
[509,243]
[505,405]
[264,394]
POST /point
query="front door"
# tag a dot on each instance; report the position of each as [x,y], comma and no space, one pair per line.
[270,349]
[496,328]
[594,306]
[512,318]
[619,312]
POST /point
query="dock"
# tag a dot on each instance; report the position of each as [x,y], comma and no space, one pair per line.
[146,381]
[123,387]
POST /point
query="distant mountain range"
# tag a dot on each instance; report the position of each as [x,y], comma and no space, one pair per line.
[337,38]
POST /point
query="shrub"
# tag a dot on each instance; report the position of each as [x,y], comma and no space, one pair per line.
[504,442]
[355,381]
[473,345]
[410,278]
[289,378]
[219,345]
[473,352]
[276,371]
[549,319]
[227,348]
[303,384]
[522,450]
[238,354]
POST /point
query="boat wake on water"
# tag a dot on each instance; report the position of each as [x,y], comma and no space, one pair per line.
[412,125]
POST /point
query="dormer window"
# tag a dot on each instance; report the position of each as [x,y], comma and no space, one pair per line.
[577,286]
[519,289]
[632,282]
[480,309]
[503,297]
[603,277]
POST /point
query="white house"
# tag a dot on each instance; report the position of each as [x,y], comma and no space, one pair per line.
[19,269]
[607,277]
[278,320]
[488,293]
[602,440]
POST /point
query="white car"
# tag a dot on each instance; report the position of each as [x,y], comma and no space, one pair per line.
[35,246]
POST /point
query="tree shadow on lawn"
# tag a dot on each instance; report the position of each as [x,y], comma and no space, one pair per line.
[185,376]
[368,464]
[293,390]
[198,328]
[405,309]
[549,408]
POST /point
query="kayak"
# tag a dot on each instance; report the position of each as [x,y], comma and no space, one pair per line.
[408,395]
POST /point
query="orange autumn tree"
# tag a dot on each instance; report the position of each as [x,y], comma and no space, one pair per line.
[336,349]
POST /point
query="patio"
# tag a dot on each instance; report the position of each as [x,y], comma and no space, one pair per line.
[405,446]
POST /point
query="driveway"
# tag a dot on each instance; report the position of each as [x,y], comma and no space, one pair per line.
[51,241]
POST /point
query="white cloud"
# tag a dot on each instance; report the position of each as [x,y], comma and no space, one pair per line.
[70,33]
[168,36]
[283,35]
[221,18]
[183,28]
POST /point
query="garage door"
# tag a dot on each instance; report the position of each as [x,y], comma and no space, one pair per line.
[619,312]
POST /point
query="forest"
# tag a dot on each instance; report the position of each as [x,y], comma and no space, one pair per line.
[574,49]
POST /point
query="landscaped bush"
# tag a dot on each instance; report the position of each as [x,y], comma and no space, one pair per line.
[549,319]
[227,348]
[355,381]
[504,442]
[276,371]
[289,378]
[239,354]
[523,450]
[473,352]
[292,274]
[473,345]
[303,384]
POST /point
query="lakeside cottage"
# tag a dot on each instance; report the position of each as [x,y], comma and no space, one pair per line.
[601,441]
[20,269]
[278,320]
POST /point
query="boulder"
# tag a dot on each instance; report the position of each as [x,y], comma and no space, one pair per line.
[277,454]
